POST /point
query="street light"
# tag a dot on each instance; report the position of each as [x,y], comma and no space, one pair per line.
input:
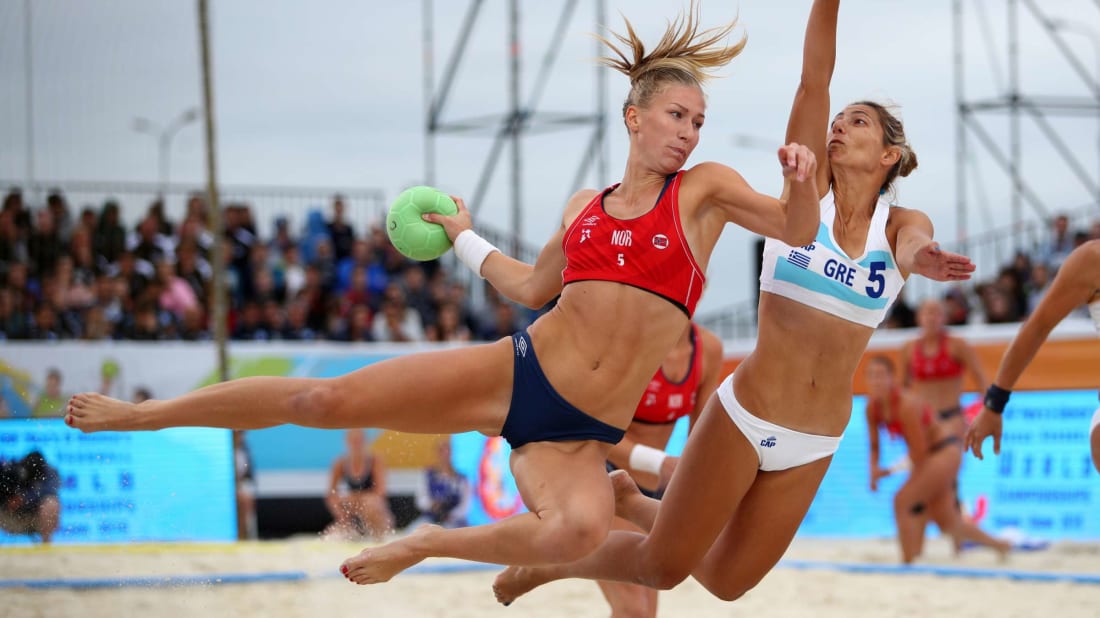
[164,141]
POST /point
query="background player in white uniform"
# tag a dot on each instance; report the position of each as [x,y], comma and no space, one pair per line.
[1077,283]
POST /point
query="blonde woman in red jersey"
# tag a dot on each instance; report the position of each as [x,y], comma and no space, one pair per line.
[680,388]
[930,492]
[628,263]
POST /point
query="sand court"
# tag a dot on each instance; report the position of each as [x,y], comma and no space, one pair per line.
[298,577]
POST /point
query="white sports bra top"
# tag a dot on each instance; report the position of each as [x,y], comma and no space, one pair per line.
[821,275]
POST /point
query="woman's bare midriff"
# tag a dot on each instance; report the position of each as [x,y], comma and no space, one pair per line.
[940,394]
[602,343]
[800,373]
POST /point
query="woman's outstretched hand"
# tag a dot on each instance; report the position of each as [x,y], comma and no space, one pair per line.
[939,265]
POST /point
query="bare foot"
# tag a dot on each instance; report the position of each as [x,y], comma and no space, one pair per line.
[375,565]
[514,582]
[629,502]
[1002,548]
[90,412]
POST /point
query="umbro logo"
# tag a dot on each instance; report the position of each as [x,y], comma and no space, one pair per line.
[521,347]
[590,221]
[768,442]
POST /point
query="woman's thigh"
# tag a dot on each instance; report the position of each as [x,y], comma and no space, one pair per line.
[445,391]
[758,534]
[717,467]
[936,475]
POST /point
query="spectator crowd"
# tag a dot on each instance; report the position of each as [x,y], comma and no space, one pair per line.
[1016,290]
[93,276]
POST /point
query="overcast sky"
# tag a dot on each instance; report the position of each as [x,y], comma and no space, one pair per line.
[329,93]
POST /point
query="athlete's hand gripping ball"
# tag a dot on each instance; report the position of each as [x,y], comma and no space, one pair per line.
[411,232]
[453,222]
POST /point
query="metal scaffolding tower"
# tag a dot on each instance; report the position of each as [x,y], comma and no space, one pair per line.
[1007,150]
[523,116]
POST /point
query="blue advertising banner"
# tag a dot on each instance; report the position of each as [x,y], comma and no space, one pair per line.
[170,485]
[485,462]
[1042,485]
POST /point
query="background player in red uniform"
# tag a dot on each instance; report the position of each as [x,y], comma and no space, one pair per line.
[680,388]
[931,491]
[935,363]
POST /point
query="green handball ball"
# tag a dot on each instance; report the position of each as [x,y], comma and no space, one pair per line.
[414,237]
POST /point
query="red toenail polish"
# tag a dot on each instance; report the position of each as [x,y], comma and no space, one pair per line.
[344,569]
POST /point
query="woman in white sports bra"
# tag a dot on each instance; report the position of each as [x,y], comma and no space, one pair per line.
[1077,283]
[762,446]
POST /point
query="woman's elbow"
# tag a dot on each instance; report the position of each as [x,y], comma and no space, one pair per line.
[806,238]
[535,297]
[535,302]
[800,237]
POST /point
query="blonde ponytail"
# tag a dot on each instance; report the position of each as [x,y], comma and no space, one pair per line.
[684,55]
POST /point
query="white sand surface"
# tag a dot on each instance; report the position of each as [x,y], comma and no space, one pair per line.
[786,591]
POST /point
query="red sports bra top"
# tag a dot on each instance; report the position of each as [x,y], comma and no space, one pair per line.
[893,426]
[937,367]
[666,401]
[649,252]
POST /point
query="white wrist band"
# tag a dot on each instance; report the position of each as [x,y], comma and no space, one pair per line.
[646,459]
[473,250]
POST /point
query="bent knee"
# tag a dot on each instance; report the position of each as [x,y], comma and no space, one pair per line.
[908,503]
[566,539]
[730,588]
[666,576]
[732,594]
[731,581]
